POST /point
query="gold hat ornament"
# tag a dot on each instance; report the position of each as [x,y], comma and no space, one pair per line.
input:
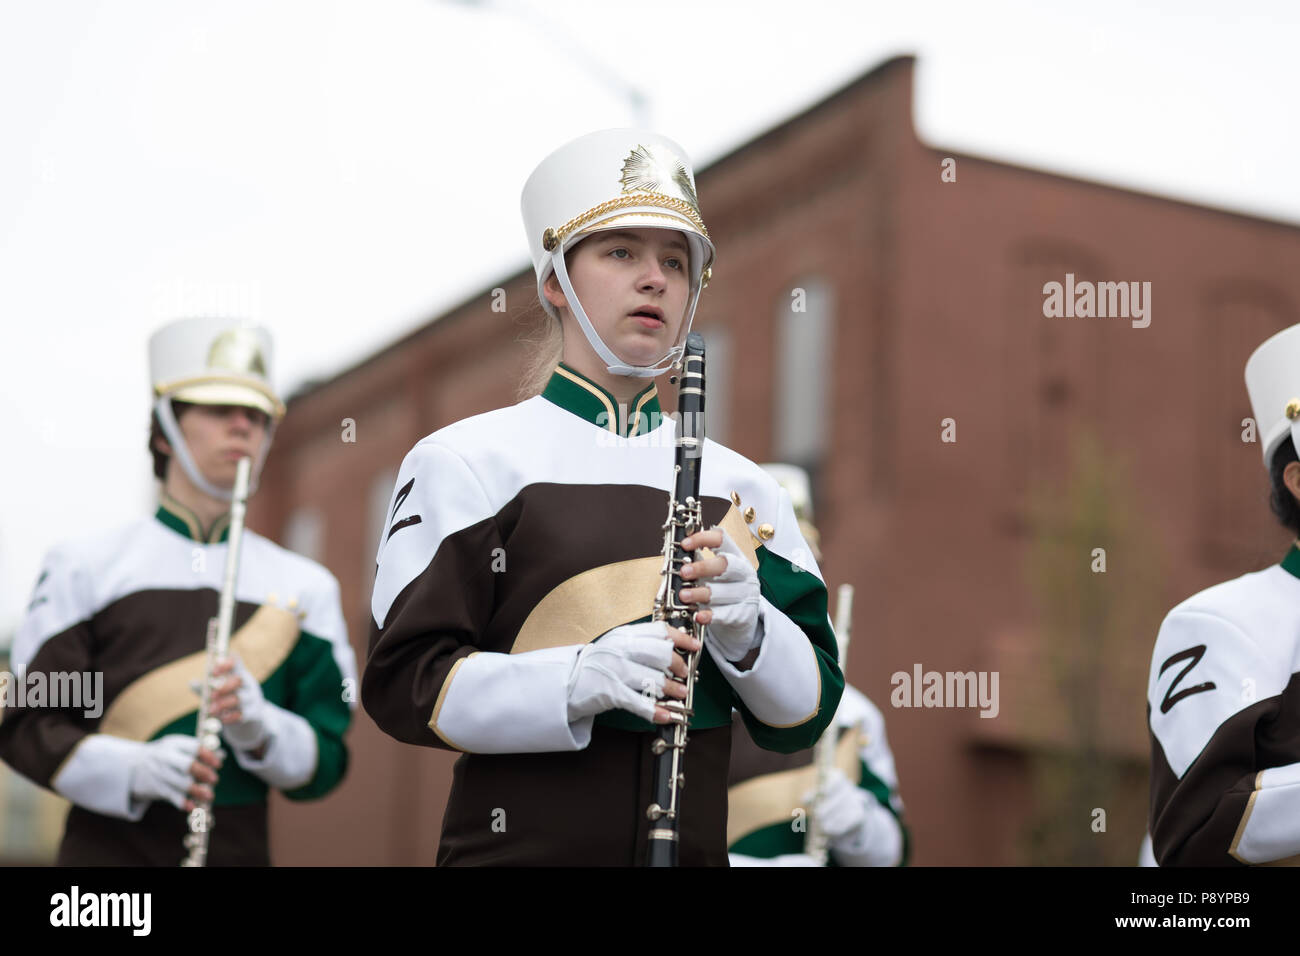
[208,361]
[212,361]
[614,179]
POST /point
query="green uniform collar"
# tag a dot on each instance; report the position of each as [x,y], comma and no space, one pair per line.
[1291,562]
[576,393]
[185,522]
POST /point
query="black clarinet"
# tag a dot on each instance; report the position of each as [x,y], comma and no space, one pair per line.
[685,518]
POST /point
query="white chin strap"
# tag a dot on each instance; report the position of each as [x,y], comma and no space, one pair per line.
[171,428]
[612,362]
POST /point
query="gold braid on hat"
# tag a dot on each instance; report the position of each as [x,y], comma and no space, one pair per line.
[552,238]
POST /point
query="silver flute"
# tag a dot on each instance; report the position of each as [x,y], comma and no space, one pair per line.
[208,726]
[818,844]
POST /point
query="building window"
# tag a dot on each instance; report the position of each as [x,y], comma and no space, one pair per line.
[304,533]
[805,318]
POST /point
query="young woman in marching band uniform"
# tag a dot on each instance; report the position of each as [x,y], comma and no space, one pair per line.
[131,606]
[523,550]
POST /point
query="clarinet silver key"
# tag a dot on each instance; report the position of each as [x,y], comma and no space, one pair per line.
[685,518]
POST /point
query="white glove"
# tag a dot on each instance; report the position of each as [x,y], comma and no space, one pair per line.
[842,808]
[162,769]
[736,627]
[624,669]
[253,727]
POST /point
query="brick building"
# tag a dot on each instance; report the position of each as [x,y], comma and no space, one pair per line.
[1009,492]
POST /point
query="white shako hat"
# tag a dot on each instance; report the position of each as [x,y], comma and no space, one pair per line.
[614,179]
[212,361]
[796,484]
[1273,381]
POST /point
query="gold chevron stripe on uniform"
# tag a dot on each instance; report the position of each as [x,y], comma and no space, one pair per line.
[772,798]
[635,414]
[1245,818]
[153,701]
[579,610]
[442,696]
[1241,831]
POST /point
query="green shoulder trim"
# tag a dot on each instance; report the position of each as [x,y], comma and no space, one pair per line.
[314,689]
[801,596]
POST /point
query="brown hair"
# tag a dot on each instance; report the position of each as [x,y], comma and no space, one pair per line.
[1283,503]
[160,459]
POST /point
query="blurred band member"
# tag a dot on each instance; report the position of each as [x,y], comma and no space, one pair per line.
[772,796]
[1222,698]
[129,608]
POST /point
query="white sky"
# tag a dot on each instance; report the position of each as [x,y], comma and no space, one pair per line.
[345,170]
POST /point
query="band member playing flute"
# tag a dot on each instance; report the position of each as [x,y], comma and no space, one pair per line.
[131,606]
